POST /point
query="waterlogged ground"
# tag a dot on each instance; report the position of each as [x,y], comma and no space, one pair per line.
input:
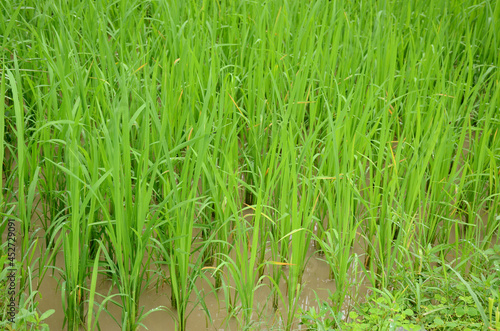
[316,286]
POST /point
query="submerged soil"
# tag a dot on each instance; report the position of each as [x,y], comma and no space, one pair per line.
[316,286]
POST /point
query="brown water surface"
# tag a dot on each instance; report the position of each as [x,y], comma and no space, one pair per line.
[316,282]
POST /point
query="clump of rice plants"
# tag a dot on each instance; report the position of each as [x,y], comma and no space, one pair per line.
[201,149]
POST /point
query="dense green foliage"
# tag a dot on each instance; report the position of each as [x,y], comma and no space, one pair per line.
[173,142]
[437,301]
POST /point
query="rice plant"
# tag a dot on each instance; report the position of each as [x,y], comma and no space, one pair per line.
[201,148]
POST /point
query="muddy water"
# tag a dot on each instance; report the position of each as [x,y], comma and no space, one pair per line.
[316,285]
[316,282]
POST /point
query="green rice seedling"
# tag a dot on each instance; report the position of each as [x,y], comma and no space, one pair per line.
[182,212]
[243,268]
[26,192]
[222,172]
[73,286]
[181,228]
[218,138]
[340,200]
[131,229]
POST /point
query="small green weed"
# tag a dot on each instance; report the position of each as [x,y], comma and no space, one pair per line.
[435,303]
